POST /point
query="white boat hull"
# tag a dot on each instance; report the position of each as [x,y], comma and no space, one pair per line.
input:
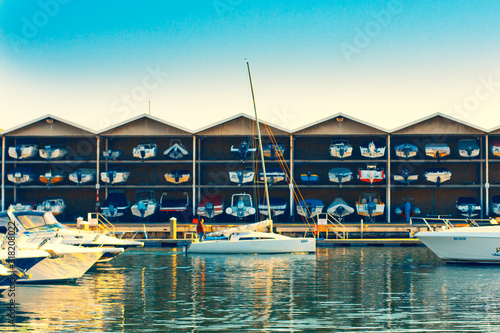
[363,210]
[339,152]
[143,213]
[261,246]
[25,152]
[246,177]
[53,154]
[119,177]
[301,210]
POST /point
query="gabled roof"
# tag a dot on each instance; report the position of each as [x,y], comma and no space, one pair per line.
[145,125]
[438,124]
[340,124]
[49,126]
[494,130]
[239,125]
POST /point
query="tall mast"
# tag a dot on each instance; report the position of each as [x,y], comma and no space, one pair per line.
[261,150]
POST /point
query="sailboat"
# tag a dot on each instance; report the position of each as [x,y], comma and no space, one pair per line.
[247,238]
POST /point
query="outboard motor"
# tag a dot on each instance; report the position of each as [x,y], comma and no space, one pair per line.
[18,152]
[240,207]
[142,207]
[370,207]
[239,174]
[407,211]
[111,176]
[209,210]
[112,210]
[79,176]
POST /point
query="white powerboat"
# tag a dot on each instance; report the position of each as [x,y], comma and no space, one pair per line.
[242,176]
[371,174]
[406,150]
[176,150]
[243,150]
[468,148]
[340,175]
[468,206]
[83,176]
[274,175]
[274,151]
[310,208]
[339,208]
[53,152]
[437,175]
[495,205]
[115,205]
[370,205]
[115,176]
[241,206]
[340,148]
[371,150]
[145,151]
[22,175]
[178,176]
[277,206]
[112,155]
[55,205]
[437,150]
[495,147]
[405,177]
[210,206]
[23,151]
[145,204]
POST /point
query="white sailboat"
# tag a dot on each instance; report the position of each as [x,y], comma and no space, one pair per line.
[247,239]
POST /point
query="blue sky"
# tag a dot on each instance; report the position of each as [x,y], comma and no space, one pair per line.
[98,63]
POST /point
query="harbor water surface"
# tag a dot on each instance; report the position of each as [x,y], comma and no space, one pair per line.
[356,289]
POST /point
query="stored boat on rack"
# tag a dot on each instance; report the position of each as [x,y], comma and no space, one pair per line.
[145,204]
[339,208]
[243,150]
[210,206]
[309,208]
[115,176]
[277,206]
[340,148]
[55,205]
[82,176]
[468,148]
[145,150]
[23,151]
[309,177]
[112,155]
[22,175]
[176,150]
[241,205]
[340,175]
[242,176]
[274,151]
[174,204]
[371,150]
[405,177]
[370,205]
[274,175]
[53,152]
[115,205]
[371,174]
[437,175]
[468,206]
[495,205]
[406,150]
[178,176]
[407,209]
[495,147]
[437,150]
[51,177]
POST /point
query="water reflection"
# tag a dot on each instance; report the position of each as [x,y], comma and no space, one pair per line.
[339,289]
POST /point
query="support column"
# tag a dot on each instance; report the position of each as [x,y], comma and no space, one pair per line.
[292,177]
[481,180]
[97,168]
[487,175]
[3,173]
[388,177]
[194,176]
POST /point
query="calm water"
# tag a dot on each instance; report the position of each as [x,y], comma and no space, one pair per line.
[365,289]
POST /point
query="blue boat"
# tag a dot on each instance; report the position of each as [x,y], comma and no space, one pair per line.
[309,177]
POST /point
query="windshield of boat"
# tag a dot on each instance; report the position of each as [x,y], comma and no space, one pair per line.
[33,222]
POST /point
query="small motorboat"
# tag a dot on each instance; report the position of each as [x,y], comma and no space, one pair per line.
[371,174]
[407,209]
[174,204]
[112,155]
[340,175]
[241,206]
[22,206]
[115,205]
[210,206]
[243,150]
[468,148]
[309,177]
[273,175]
[56,205]
[23,150]
[339,208]
[51,178]
[437,175]
[145,204]
[242,176]
[276,205]
[371,150]
[340,148]
[53,152]
[495,147]
[178,176]
[82,176]
[468,206]
[405,177]
[176,151]
[22,175]
[310,208]
[145,150]
[115,176]
[437,150]
[370,205]
[495,205]
[406,150]
[274,151]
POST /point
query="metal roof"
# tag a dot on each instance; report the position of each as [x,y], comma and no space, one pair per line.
[438,124]
[145,125]
[49,126]
[239,125]
[340,124]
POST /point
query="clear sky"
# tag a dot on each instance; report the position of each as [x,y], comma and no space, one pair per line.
[388,62]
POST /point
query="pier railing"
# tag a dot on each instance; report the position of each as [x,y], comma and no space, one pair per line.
[101,223]
[434,223]
[327,222]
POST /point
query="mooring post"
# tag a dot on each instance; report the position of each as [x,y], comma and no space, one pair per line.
[173,228]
